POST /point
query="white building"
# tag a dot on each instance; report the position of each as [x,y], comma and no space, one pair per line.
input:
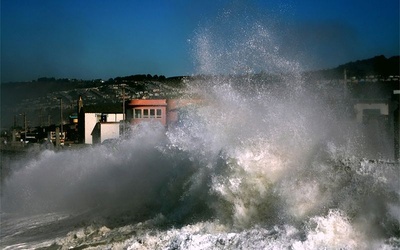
[366,109]
[101,122]
[105,130]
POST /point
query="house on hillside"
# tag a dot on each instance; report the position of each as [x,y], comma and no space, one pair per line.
[368,110]
[376,108]
[140,110]
[100,122]
[165,111]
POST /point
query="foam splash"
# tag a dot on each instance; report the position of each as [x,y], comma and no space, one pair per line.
[333,231]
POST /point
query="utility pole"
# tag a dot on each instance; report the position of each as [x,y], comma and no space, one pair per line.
[123,101]
[61,120]
[345,83]
[41,118]
[123,108]
[25,128]
[396,125]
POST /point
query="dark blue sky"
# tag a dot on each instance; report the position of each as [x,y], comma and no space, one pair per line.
[103,39]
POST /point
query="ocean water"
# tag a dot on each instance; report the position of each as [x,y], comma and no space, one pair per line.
[259,164]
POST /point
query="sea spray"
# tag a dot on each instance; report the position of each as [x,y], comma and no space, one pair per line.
[263,161]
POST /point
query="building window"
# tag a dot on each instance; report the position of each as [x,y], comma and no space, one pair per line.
[138,113]
[145,113]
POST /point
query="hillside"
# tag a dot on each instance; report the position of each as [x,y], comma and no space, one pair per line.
[376,66]
[40,99]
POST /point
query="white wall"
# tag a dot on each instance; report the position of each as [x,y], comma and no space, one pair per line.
[92,118]
[359,107]
[90,121]
[115,117]
[109,131]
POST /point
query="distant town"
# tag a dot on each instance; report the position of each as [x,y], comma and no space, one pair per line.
[40,100]
[33,111]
